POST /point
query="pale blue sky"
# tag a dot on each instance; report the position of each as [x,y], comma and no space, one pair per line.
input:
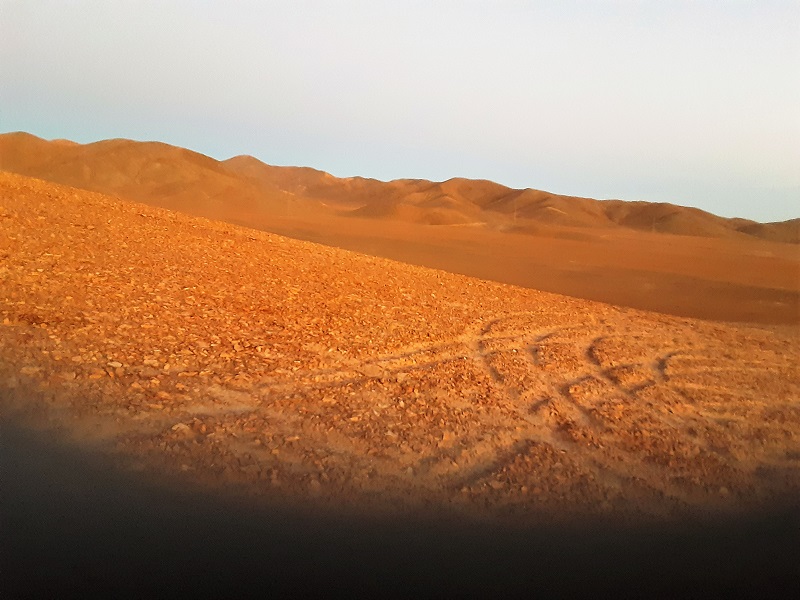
[696,103]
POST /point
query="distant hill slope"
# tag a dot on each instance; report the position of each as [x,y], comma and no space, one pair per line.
[243,187]
[150,172]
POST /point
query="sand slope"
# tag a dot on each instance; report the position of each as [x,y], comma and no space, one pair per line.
[231,356]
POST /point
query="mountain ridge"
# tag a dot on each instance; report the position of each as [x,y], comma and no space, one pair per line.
[177,178]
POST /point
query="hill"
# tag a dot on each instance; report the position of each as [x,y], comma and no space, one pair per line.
[367,374]
[181,397]
[150,172]
[177,178]
[643,255]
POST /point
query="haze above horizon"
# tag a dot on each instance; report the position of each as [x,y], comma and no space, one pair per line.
[693,103]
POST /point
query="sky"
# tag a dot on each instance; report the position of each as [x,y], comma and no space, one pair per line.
[691,102]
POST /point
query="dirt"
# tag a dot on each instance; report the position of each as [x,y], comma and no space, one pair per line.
[659,257]
[235,360]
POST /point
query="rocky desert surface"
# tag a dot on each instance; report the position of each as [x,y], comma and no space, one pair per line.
[652,256]
[224,358]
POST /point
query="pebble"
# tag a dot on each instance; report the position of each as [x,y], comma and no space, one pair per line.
[183,430]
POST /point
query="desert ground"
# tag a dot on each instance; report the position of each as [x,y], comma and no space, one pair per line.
[657,257]
[180,378]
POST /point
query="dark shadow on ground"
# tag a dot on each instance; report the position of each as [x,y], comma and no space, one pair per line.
[72,527]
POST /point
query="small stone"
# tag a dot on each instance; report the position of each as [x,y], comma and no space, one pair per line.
[115,364]
[183,430]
